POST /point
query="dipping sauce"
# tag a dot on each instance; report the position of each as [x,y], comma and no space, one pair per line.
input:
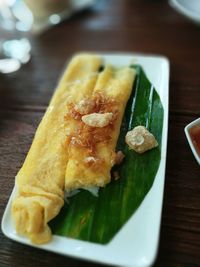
[195,137]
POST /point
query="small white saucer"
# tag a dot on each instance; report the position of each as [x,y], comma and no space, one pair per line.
[188,135]
[189,8]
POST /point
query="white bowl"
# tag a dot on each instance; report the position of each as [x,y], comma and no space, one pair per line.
[189,138]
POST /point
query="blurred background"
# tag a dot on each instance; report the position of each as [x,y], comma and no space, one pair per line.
[100,25]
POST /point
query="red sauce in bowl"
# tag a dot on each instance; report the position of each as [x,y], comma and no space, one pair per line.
[195,136]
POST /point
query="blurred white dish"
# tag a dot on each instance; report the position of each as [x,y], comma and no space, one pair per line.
[195,126]
[189,8]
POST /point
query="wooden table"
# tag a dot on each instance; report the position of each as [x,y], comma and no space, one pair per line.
[115,25]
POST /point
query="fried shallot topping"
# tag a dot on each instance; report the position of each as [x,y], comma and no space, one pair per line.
[89,130]
[85,106]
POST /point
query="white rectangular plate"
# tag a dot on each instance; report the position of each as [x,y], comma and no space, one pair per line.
[136,243]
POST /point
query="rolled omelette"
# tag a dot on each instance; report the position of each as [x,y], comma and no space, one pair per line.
[41,180]
[74,145]
[91,150]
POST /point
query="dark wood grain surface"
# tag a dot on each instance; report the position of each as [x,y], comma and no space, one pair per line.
[111,25]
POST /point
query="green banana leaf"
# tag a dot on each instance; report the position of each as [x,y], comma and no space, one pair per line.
[98,219]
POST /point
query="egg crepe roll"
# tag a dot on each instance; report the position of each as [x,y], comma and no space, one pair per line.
[41,180]
[91,150]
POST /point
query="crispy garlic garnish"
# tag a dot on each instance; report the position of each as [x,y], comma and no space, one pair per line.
[140,139]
